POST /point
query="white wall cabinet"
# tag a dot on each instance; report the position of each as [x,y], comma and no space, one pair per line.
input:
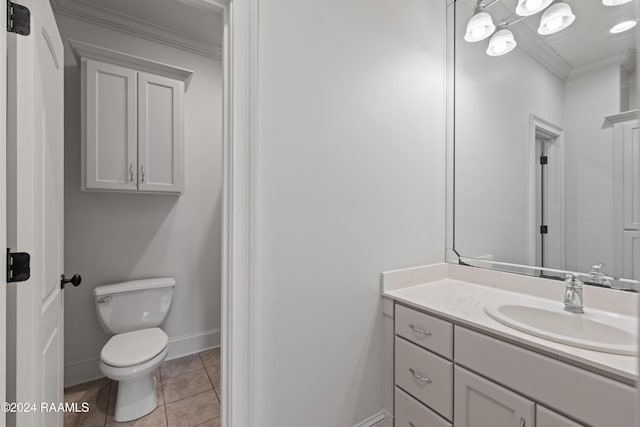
[132,122]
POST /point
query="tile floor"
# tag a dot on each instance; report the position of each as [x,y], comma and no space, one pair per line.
[188,396]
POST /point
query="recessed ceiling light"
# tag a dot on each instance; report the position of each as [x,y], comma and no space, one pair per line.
[622,27]
[614,2]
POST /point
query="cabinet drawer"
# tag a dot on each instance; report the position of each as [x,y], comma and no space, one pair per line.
[590,398]
[548,418]
[425,376]
[424,330]
[411,413]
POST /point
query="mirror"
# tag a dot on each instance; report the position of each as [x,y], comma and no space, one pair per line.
[545,138]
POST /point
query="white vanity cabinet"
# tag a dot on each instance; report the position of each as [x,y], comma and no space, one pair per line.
[480,402]
[132,122]
[448,375]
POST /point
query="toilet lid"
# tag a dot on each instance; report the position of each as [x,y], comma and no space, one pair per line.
[133,348]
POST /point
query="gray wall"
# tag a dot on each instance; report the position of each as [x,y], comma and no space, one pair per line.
[351,167]
[115,237]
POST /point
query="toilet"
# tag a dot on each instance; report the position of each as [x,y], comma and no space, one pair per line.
[132,312]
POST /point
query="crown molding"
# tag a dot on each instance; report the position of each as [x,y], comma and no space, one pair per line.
[141,28]
[599,65]
[619,117]
[87,51]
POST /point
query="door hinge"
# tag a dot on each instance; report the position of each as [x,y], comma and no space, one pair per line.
[18,266]
[18,19]
[544,229]
[544,160]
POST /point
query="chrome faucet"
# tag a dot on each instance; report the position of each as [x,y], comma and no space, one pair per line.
[573,294]
[597,276]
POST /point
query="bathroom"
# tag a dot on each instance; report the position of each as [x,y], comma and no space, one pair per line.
[349,167]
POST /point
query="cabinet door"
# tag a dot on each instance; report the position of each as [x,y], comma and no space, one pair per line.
[547,418]
[481,403]
[631,175]
[109,127]
[160,147]
[631,254]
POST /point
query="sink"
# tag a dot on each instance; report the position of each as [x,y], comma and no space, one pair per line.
[593,330]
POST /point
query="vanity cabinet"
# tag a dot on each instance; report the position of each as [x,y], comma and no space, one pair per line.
[132,122]
[445,374]
[480,402]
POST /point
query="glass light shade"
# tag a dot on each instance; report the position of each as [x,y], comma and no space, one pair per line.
[615,2]
[531,7]
[501,43]
[558,17]
[622,27]
[479,27]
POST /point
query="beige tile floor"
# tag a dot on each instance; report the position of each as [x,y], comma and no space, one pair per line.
[188,396]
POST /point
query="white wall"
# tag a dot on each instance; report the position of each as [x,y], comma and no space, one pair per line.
[351,158]
[495,97]
[589,98]
[115,237]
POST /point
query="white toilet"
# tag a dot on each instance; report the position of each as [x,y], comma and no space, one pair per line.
[131,312]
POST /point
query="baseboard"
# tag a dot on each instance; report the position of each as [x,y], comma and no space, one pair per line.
[378,420]
[193,343]
[81,371]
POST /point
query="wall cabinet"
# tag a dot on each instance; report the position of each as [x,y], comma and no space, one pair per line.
[448,375]
[132,122]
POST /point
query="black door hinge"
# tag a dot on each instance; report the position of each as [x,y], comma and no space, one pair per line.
[18,19]
[544,160]
[544,229]
[18,266]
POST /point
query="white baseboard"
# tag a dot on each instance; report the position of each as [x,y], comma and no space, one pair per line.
[381,419]
[79,372]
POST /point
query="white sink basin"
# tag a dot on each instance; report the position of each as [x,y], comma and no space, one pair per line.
[593,330]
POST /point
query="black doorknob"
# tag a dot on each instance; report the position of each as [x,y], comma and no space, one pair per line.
[75,280]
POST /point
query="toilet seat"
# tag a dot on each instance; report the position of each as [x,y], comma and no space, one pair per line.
[133,348]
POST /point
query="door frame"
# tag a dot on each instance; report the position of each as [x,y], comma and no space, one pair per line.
[3,207]
[240,66]
[556,170]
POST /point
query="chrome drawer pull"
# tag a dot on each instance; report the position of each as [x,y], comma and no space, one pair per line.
[411,424]
[420,331]
[522,422]
[419,378]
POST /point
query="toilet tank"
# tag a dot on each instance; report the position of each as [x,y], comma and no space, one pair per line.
[137,304]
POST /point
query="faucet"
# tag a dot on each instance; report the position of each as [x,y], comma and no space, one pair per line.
[597,276]
[573,294]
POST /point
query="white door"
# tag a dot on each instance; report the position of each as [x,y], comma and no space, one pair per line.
[160,134]
[3,211]
[35,218]
[110,131]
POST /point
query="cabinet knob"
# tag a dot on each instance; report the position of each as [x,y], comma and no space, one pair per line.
[131,172]
[142,173]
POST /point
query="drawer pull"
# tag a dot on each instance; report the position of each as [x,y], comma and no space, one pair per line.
[419,378]
[522,423]
[420,331]
[411,424]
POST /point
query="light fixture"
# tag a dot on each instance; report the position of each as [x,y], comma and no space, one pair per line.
[480,26]
[622,27]
[501,43]
[531,7]
[615,2]
[556,18]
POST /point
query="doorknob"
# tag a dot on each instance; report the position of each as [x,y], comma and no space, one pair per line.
[75,280]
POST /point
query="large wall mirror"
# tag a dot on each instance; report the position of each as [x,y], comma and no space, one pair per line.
[544,139]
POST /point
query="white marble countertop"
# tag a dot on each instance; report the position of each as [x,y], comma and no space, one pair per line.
[463,303]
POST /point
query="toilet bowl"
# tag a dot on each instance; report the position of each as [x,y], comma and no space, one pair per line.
[132,312]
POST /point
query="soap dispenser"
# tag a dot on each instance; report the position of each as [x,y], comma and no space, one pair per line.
[597,276]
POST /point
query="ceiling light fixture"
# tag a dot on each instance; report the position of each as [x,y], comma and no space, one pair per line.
[556,18]
[502,42]
[480,26]
[622,27]
[531,7]
[614,2]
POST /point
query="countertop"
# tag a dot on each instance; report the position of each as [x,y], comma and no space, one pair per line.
[463,303]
